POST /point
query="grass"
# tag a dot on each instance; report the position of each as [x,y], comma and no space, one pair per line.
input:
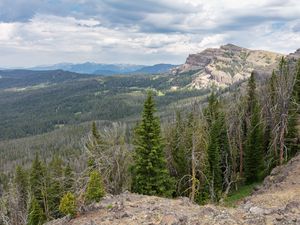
[109,206]
[236,196]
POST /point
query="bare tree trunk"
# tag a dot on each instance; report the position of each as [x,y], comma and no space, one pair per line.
[241,154]
[192,196]
[281,150]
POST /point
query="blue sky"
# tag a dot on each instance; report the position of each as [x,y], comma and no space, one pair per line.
[39,32]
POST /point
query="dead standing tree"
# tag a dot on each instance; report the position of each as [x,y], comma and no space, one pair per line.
[283,89]
[110,155]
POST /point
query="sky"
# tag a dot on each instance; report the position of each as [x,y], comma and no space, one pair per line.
[44,32]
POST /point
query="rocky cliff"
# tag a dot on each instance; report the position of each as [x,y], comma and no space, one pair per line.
[226,65]
[276,202]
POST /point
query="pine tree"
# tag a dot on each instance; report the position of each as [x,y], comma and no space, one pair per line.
[254,153]
[68,181]
[211,112]
[36,215]
[268,117]
[219,157]
[36,178]
[254,149]
[67,204]
[95,190]
[214,160]
[54,186]
[149,172]
[251,97]
[296,88]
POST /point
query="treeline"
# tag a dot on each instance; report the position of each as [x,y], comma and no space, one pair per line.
[203,154]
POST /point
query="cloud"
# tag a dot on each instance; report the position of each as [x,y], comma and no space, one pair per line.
[147,31]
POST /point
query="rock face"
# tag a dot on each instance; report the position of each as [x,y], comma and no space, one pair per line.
[226,65]
[295,55]
[276,202]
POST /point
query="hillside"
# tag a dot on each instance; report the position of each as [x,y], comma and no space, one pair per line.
[56,98]
[59,98]
[276,201]
[226,65]
[107,69]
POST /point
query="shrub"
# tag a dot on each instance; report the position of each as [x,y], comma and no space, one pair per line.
[67,204]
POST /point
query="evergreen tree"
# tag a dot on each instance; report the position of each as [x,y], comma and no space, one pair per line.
[68,181]
[214,160]
[149,172]
[251,97]
[211,112]
[254,149]
[95,190]
[296,88]
[68,204]
[269,123]
[254,153]
[36,178]
[36,215]
[219,157]
[54,186]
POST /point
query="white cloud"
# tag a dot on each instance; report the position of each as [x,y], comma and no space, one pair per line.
[145,32]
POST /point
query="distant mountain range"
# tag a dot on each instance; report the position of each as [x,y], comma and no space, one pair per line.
[107,69]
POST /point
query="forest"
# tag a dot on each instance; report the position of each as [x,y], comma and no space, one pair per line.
[35,102]
[203,152]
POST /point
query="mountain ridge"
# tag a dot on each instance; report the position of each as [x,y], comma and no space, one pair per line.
[107,69]
[226,65]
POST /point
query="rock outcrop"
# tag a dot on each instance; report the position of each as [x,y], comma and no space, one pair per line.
[226,65]
[276,202]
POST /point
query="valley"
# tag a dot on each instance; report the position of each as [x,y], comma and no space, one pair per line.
[35,105]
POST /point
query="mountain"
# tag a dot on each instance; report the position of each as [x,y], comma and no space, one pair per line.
[155,69]
[107,69]
[226,65]
[92,68]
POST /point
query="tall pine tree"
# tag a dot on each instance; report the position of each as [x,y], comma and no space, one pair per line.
[218,151]
[149,172]
[254,153]
[214,160]
[54,186]
[36,180]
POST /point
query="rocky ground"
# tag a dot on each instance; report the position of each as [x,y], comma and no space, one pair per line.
[277,201]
